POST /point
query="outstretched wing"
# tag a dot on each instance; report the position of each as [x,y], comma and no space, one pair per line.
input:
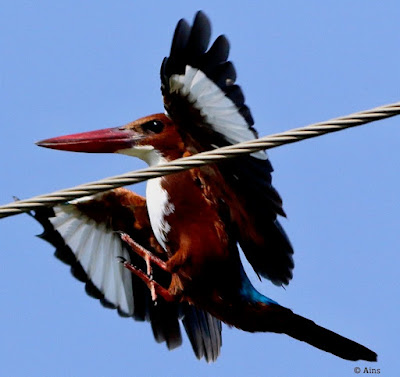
[84,232]
[200,94]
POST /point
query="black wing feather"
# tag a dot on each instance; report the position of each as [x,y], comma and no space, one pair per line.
[199,38]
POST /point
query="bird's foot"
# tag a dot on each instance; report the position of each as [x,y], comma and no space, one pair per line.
[148,258]
[144,253]
[154,287]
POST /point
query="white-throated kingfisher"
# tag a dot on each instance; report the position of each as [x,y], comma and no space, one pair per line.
[179,246]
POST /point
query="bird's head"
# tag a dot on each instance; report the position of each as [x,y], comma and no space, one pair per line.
[152,139]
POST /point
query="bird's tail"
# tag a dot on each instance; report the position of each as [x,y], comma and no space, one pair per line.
[270,317]
[252,311]
[308,331]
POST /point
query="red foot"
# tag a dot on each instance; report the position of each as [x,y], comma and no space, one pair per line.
[152,285]
[148,257]
[144,253]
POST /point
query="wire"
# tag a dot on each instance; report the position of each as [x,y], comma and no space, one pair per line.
[267,142]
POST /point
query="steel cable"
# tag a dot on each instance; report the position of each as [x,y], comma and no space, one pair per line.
[267,142]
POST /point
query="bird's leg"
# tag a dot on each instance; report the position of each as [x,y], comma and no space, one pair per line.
[148,258]
[150,275]
[144,253]
[148,280]
[155,288]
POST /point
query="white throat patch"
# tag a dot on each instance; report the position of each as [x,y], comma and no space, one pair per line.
[147,153]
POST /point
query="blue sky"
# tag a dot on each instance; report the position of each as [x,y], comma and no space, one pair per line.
[75,66]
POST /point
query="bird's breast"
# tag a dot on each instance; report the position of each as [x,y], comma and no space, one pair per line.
[159,207]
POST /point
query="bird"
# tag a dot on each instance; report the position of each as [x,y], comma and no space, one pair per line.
[173,256]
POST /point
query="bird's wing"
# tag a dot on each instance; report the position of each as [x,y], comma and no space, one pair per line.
[85,235]
[200,95]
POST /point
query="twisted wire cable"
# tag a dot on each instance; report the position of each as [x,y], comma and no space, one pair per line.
[267,142]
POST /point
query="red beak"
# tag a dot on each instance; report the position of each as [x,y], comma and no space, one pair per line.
[108,140]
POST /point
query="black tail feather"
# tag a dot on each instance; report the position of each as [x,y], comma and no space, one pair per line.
[308,331]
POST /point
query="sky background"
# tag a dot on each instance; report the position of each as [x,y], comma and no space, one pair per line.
[71,66]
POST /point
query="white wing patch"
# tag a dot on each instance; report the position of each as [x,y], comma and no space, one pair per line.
[96,248]
[217,109]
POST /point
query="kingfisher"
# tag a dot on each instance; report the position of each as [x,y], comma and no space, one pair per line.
[173,257]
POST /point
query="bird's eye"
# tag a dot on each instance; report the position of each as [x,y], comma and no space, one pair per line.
[153,126]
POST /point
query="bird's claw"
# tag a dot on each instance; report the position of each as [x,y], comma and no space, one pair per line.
[121,260]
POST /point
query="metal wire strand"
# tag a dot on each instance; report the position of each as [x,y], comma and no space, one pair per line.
[267,142]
